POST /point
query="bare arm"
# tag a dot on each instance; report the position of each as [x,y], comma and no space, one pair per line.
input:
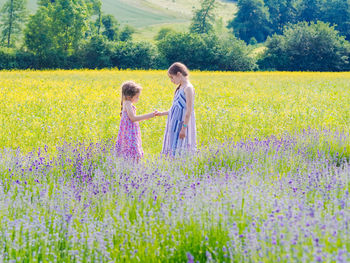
[163,113]
[135,118]
[189,103]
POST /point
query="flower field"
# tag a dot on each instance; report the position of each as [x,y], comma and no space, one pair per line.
[48,107]
[270,181]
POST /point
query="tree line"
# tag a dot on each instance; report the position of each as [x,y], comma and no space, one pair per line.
[258,19]
[308,35]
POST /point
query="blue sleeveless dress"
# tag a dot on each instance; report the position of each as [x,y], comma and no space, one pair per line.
[172,144]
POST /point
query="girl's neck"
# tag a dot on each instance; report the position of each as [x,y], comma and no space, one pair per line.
[184,82]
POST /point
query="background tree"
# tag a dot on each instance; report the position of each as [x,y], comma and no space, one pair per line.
[55,31]
[205,51]
[309,10]
[337,12]
[95,53]
[281,13]
[111,27]
[93,20]
[127,55]
[203,18]
[70,22]
[252,20]
[275,57]
[126,33]
[307,47]
[233,55]
[12,15]
[163,32]
[97,9]
[38,34]
[185,47]
[58,25]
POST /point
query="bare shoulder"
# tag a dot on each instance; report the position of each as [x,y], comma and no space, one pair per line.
[127,103]
[189,89]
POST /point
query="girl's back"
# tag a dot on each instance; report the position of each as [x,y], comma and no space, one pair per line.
[129,142]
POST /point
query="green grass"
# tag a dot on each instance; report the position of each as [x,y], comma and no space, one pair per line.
[39,107]
[156,212]
[138,14]
[151,15]
[165,13]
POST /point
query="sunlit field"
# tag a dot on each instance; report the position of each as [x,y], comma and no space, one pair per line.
[45,108]
[270,181]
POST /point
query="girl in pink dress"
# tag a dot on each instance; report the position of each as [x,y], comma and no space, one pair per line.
[129,144]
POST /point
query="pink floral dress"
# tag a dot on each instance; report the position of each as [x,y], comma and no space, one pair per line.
[129,144]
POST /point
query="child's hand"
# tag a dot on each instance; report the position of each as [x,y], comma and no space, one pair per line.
[156,113]
[182,134]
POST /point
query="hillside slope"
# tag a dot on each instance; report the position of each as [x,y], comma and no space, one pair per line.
[156,14]
[147,16]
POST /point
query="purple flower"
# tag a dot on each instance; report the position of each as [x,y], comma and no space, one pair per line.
[68,217]
[190,258]
[208,255]
[318,258]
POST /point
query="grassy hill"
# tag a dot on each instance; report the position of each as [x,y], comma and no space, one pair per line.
[148,16]
[178,14]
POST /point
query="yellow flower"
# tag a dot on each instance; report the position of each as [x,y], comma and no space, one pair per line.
[44,107]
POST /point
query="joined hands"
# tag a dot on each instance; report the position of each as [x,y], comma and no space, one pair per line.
[157,113]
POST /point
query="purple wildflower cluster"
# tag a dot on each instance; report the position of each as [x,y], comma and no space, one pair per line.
[258,200]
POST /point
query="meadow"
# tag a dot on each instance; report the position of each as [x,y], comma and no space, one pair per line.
[44,108]
[270,180]
[148,17]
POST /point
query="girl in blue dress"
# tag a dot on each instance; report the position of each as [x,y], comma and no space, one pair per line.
[180,131]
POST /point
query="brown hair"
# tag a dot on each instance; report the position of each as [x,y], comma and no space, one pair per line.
[129,90]
[178,67]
